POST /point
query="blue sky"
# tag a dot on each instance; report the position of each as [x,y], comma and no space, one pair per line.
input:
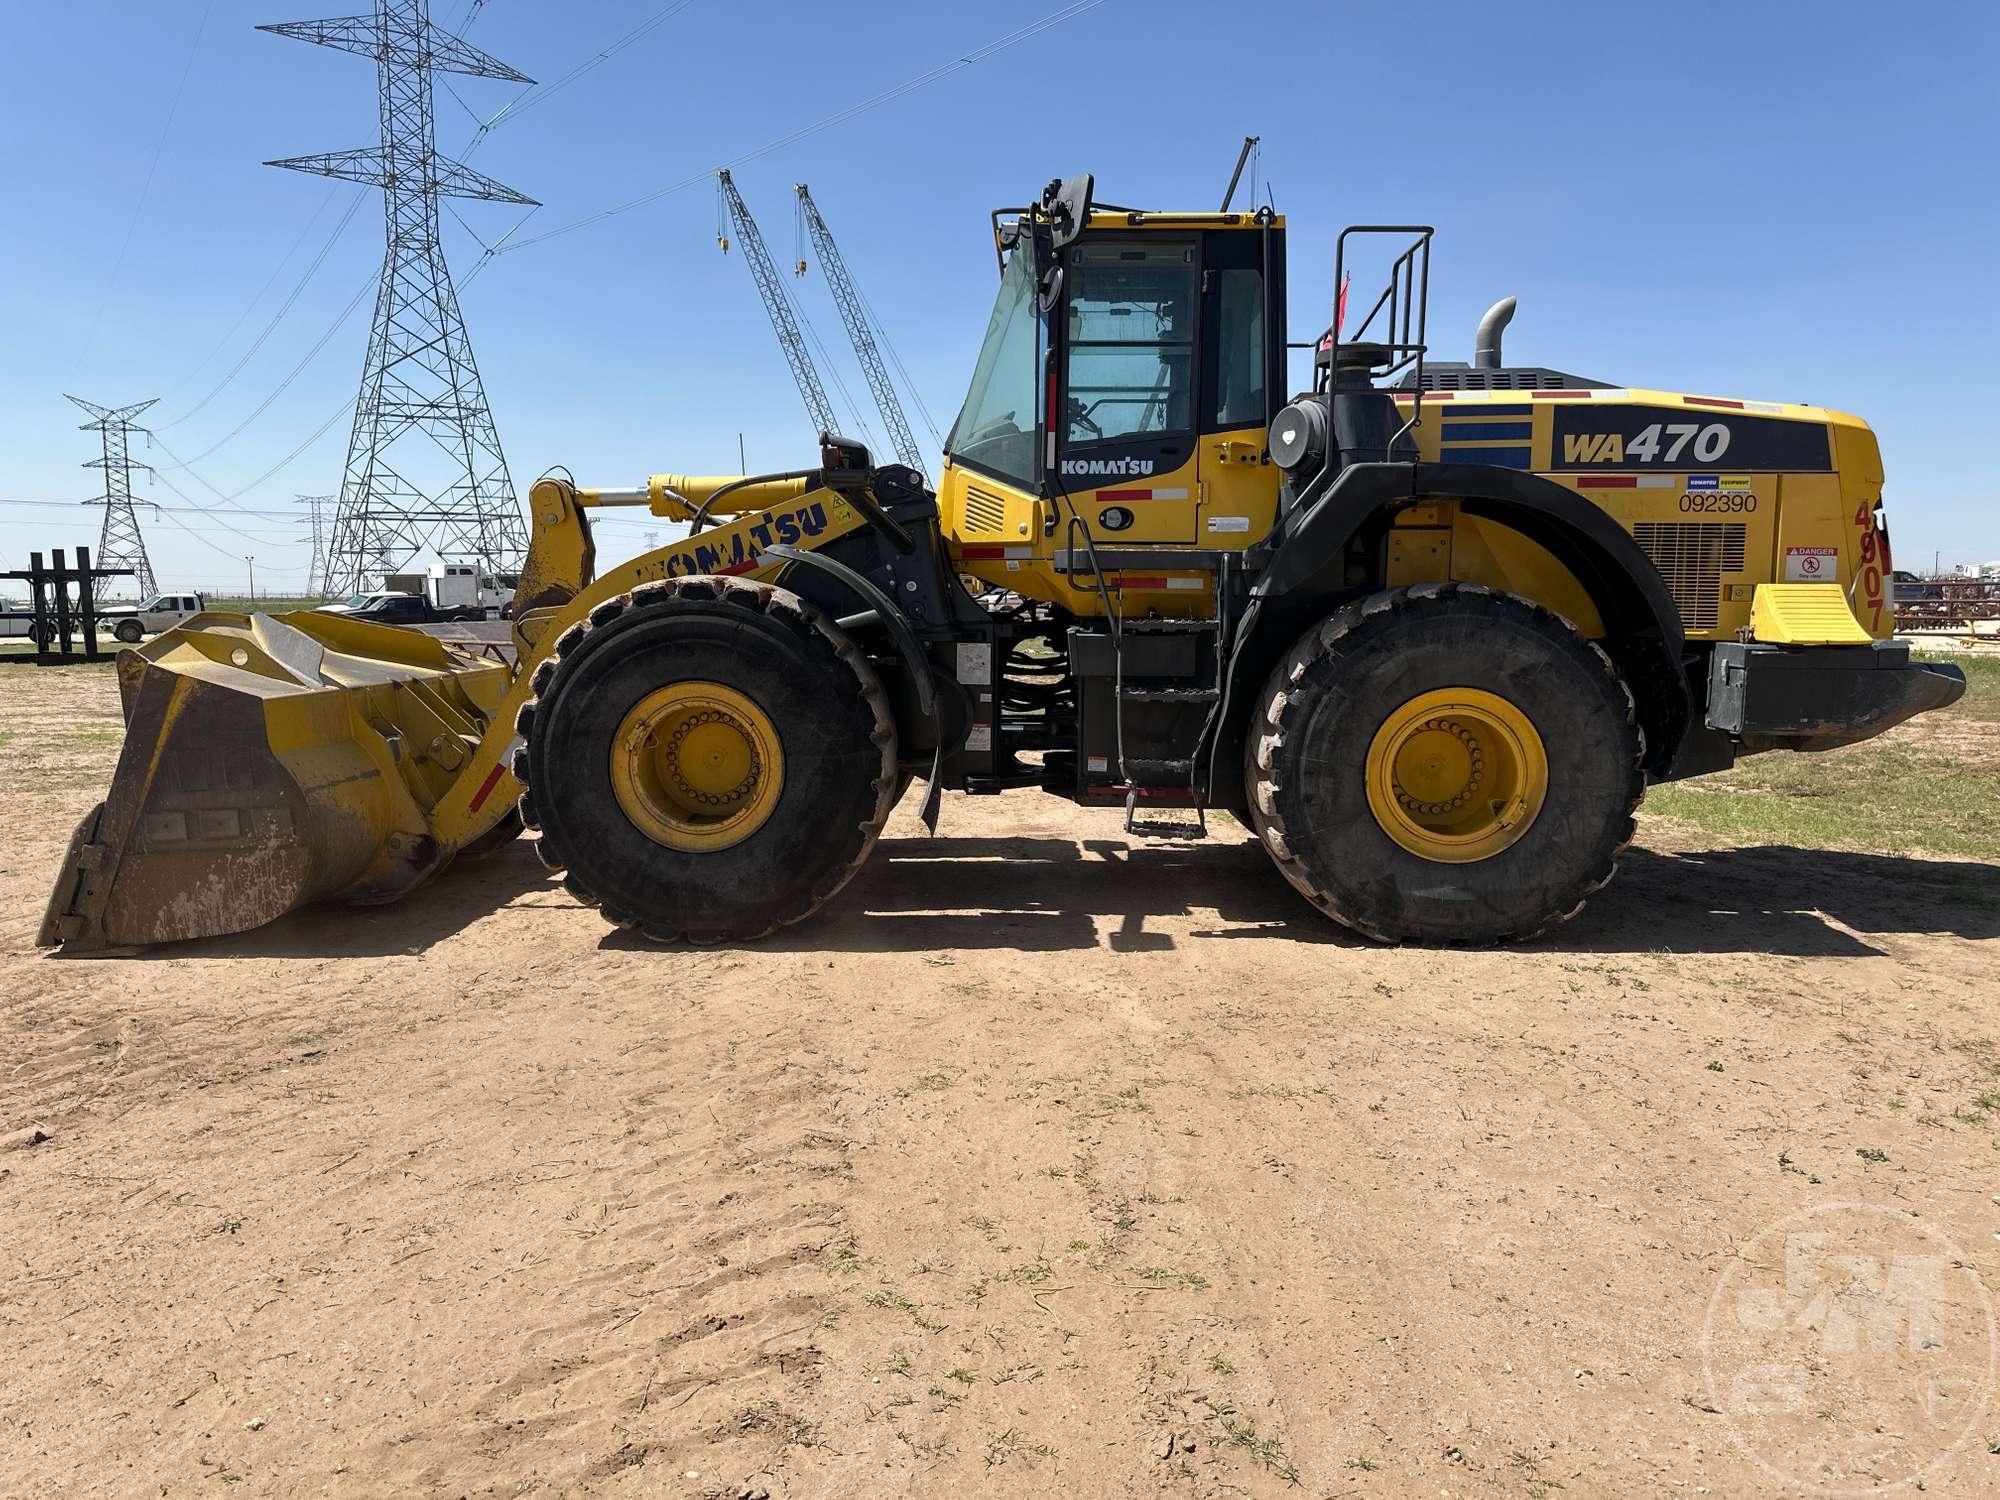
[1780,202]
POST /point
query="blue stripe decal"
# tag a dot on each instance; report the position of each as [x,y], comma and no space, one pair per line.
[1479,410]
[1457,432]
[1506,458]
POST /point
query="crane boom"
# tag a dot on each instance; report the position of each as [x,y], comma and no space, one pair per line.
[782,322]
[858,334]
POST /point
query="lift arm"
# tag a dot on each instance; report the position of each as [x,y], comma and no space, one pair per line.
[858,334]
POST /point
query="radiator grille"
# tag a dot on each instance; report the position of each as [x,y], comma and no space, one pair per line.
[984,512]
[1692,556]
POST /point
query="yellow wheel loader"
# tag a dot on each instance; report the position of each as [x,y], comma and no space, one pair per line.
[1429,629]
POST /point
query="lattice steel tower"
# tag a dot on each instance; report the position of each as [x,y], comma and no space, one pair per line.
[316,512]
[764,271]
[424,467]
[119,544]
[854,313]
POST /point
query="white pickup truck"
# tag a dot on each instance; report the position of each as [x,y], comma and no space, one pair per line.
[130,622]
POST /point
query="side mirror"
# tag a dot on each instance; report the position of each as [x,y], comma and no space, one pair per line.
[1049,291]
[1067,206]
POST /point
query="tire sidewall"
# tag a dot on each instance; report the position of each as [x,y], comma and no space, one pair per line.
[820,823]
[1335,706]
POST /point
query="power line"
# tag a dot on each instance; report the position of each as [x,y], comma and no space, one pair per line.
[311,354]
[277,317]
[251,306]
[145,189]
[472,12]
[838,117]
[190,508]
[522,103]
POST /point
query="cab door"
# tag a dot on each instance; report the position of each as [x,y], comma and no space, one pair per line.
[1126,426]
[1241,366]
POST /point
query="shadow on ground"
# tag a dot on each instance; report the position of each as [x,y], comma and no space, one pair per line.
[1045,895]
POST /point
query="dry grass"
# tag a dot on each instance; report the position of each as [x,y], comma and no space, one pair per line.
[1928,785]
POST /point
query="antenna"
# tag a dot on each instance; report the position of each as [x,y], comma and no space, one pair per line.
[119,544]
[424,466]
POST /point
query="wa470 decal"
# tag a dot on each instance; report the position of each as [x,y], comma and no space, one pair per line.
[1601,435]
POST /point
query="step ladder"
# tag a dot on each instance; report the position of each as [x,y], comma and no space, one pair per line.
[1171,782]
[1156,790]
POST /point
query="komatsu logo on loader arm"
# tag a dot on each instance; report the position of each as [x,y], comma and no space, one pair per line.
[1108,468]
[737,549]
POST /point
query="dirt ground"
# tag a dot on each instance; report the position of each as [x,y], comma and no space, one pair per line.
[1042,1162]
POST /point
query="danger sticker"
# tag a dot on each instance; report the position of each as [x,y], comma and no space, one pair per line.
[1811,564]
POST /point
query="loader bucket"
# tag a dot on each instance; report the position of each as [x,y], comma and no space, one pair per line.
[270,762]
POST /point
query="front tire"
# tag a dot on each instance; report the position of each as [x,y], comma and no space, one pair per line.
[1445,764]
[129,632]
[706,759]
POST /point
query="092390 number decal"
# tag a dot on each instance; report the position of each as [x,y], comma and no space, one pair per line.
[1719,502]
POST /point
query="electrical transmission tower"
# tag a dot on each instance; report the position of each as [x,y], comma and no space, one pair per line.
[848,300]
[119,545]
[424,466]
[316,575]
[765,272]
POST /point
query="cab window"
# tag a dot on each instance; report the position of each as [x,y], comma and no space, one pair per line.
[995,429]
[1131,326]
[1239,352]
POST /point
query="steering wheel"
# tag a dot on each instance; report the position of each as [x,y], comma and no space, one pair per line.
[1079,416]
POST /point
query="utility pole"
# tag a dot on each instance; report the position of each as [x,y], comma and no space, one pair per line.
[119,544]
[251,562]
[424,466]
[765,272]
[316,574]
[848,300]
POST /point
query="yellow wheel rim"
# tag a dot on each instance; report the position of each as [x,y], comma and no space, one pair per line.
[1457,775]
[697,766]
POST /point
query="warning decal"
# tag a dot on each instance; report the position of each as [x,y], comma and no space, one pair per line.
[1811,564]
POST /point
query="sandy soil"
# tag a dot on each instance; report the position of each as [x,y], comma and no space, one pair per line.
[1041,1163]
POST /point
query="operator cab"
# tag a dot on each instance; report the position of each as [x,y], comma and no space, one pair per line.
[1155,341]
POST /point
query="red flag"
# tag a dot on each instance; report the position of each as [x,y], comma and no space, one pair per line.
[1340,307]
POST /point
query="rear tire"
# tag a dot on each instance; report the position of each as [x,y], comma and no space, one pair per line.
[1367,678]
[816,735]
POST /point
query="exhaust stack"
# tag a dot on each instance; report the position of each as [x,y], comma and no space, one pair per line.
[1486,343]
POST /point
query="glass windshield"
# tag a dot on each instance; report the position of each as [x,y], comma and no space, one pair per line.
[996,427]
